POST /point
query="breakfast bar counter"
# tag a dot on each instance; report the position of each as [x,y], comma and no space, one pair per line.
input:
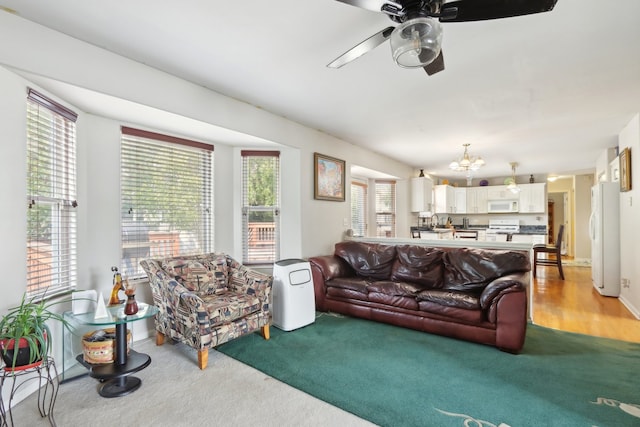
[446,243]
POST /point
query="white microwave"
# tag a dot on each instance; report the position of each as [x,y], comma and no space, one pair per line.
[502,206]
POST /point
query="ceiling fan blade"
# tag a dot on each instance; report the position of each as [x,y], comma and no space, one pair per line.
[436,65]
[361,48]
[480,10]
[375,5]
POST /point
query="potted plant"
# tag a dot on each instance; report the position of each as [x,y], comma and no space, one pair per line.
[24,327]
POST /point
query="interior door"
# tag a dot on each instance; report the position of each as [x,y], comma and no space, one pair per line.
[567,227]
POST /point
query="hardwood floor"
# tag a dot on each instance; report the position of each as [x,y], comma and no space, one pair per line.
[574,305]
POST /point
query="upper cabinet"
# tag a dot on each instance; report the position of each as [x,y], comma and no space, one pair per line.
[477,200]
[533,198]
[444,199]
[450,200]
[460,203]
[421,194]
[500,192]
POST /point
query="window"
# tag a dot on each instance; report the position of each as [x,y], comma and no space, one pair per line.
[359,208]
[385,208]
[260,206]
[51,197]
[165,197]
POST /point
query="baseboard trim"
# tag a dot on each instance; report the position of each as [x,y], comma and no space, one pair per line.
[630,307]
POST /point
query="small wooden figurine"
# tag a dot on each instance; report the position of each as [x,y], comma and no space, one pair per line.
[117,286]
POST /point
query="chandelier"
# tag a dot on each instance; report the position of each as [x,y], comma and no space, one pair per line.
[513,187]
[467,163]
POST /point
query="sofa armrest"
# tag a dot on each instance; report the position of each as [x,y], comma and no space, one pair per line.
[323,269]
[510,283]
[331,266]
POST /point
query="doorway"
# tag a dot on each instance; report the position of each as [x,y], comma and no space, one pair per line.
[558,211]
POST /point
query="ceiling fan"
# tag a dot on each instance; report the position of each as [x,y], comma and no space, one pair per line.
[416,41]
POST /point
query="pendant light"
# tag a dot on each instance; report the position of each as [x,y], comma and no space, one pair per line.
[513,187]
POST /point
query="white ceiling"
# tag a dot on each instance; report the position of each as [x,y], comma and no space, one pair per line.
[550,91]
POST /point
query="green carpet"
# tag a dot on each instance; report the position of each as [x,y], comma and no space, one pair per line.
[393,376]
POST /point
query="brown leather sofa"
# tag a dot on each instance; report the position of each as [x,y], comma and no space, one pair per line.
[478,295]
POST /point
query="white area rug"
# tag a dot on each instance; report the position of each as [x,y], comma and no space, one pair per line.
[175,392]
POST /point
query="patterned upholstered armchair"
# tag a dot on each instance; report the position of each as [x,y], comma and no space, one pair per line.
[206,300]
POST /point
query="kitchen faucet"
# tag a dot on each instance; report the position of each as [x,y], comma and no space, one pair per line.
[436,221]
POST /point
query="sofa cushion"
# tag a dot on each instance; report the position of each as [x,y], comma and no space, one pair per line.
[388,287]
[407,303]
[450,298]
[357,284]
[418,264]
[473,268]
[367,259]
[459,314]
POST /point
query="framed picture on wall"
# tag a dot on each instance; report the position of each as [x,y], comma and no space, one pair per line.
[329,176]
[625,169]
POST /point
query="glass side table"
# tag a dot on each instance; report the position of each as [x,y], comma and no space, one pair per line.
[116,377]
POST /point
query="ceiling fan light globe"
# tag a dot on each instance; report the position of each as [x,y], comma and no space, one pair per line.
[454,165]
[416,42]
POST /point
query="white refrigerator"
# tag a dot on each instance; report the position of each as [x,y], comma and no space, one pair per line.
[604,230]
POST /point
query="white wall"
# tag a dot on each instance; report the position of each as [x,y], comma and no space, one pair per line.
[629,214]
[13,170]
[310,227]
[582,202]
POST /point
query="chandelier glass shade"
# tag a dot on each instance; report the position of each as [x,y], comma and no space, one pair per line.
[416,42]
[467,163]
[513,187]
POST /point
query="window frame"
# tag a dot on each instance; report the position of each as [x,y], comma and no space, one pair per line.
[51,185]
[391,214]
[152,163]
[261,253]
[359,209]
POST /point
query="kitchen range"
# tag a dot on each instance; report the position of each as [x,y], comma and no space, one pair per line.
[501,230]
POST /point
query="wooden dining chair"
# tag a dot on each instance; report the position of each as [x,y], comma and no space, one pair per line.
[541,254]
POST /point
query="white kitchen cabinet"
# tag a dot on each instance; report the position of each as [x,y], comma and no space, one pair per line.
[535,239]
[436,235]
[490,237]
[500,192]
[421,194]
[444,199]
[539,239]
[460,200]
[477,200]
[533,198]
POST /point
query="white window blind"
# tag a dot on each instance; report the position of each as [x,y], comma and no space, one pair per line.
[260,206]
[51,197]
[359,208]
[165,197]
[385,208]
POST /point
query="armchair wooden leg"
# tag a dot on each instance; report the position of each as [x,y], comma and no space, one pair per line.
[159,338]
[265,331]
[203,358]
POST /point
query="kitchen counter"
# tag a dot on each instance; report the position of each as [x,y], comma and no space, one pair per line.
[446,243]
[524,229]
